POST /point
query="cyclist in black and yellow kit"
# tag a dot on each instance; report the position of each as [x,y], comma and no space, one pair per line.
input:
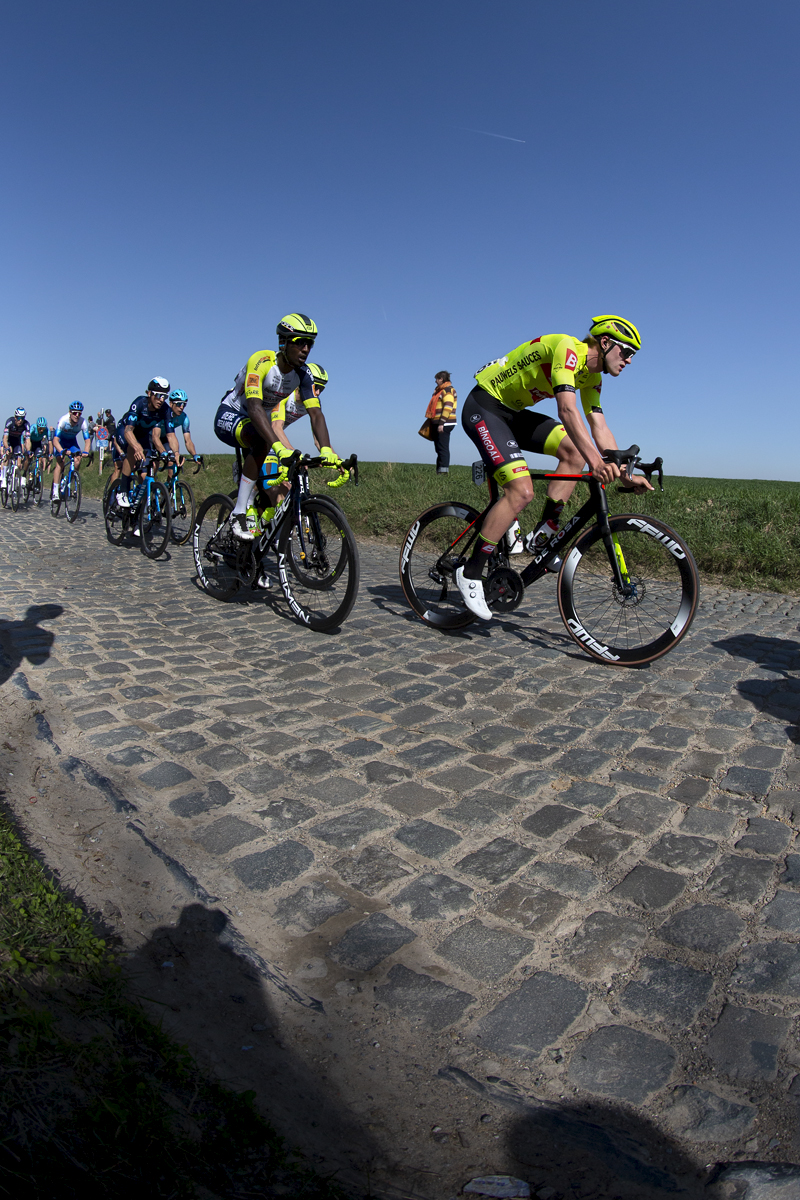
[244,417]
[497,418]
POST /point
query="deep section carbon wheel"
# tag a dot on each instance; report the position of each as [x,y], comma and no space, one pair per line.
[433,548]
[318,564]
[72,501]
[154,519]
[183,512]
[633,624]
[216,549]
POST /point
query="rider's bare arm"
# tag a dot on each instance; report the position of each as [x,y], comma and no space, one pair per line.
[319,428]
[605,440]
[572,421]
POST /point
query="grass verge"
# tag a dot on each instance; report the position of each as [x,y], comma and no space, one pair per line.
[95,1099]
[743,533]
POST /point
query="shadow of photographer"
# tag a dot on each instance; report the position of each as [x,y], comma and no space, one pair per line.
[26,639]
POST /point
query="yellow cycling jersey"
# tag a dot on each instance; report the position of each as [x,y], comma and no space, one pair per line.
[292,408]
[537,370]
[262,379]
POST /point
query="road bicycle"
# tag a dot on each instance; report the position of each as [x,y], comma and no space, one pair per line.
[36,479]
[12,488]
[69,488]
[627,587]
[182,502]
[315,551]
[149,512]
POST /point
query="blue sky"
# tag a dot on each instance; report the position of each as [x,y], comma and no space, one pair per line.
[180,175]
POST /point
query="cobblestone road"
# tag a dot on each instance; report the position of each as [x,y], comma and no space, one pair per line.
[584,877]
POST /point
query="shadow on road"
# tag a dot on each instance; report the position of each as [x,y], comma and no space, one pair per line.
[26,639]
[777,693]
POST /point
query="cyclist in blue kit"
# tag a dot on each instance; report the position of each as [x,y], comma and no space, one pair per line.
[141,431]
[65,440]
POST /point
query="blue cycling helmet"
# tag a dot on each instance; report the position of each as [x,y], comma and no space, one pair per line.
[76,406]
[41,422]
[178,396]
[19,412]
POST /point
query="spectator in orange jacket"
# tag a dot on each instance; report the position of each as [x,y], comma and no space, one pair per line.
[440,416]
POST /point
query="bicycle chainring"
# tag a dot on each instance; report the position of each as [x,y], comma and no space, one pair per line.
[504,589]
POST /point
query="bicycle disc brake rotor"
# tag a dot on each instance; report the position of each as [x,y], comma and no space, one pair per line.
[637,593]
[504,589]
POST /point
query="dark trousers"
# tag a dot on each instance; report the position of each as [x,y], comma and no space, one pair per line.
[442,443]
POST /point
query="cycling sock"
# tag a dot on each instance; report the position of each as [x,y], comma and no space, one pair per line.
[246,489]
[552,512]
[124,483]
[480,556]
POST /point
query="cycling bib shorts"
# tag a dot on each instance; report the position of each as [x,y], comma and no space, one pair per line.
[501,434]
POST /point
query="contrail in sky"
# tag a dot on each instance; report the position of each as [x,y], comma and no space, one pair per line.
[497,135]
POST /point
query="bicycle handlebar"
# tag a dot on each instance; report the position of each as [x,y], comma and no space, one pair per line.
[306,460]
[630,458]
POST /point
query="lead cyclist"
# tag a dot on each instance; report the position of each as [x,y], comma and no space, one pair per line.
[496,416]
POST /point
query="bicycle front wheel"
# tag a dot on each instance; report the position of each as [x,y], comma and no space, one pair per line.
[318,564]
[73,500]
[654,609]
[38,487]
[434,547]
[107,492]
[215,548]
[183,513]
[154,520]
[14,491]
[117,519]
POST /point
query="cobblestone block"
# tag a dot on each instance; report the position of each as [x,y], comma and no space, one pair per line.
[704,927]
[233,729]
[550,819]
[784,803]
[769,968]
[226,833]
[743,880]
[312,764]
[559,735]
[361,748]
[636,779]
[202,800]
[412,798]
[138,691]
[488,954]
[492,737]
[773,735]
[95,720]
[385,773]
[422,999]
[674,737]
[459,779]
[733,718]
[604,944]
[177,717]
[336,790]
[496,861]
[792,873]
[532,752]
[639,813]
[583,794]
[223,758]
[636,719]
[534,1016]
[667,992]
[432,841]
[690,790]
[572,881]
[703,1116]
[371,941]
[745,1044]
[494,764]
[534,908]
[309,907]
[578,763]
[182,742]
[783,912]
[650,887]
[767,757]
[434,898]
[765,837]
[702,762]
[165,775]
[372,870]
[283,814]
[245,708]
[130,756]
[526,784]
[413,692]
[746,781]
[652,758]
[261,779]
[268,869]
[426,755]
[349,828]
[363,723]
[683,853]
[599,843]
[615,740]
[621,1062]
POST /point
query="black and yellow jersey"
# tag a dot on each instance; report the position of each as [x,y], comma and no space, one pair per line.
[538,370]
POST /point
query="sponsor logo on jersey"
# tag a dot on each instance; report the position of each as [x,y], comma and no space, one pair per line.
[252,380]
[488,444]
[520,470]
[571,360]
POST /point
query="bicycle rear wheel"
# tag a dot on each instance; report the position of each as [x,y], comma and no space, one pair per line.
[107,492]
[183,513]
[154,520]
[433,548]
[318,564]
[215,548]
[14,491]
[72,503]
[37,488]
[645,620]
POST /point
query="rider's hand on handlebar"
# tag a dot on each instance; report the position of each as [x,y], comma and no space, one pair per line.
[636,483]
[605,472]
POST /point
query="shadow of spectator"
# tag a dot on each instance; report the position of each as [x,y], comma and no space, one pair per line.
[776,690]
[210,997]
[26,639]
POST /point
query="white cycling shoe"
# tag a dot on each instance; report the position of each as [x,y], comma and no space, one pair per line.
[474,598]
[513,538]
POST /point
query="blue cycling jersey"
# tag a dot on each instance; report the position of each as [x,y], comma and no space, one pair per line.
[141,416]
[67,433]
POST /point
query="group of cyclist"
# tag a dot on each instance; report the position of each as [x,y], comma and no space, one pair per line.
[275,388]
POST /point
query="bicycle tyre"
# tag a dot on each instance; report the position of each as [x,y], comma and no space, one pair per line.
[38,487]
[629,631]
[14,491]
[320,592]
[155,523]
[428,563]
[4,495]
[183,513]
[117,519]
[107,492]
[72,500]
[215,549]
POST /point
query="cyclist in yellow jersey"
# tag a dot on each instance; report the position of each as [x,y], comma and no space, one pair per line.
[497,417]
[244,417]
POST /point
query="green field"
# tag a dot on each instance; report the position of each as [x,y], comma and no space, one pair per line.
[743,533]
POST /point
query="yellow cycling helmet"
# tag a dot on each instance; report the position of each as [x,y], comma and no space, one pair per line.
[616,328]
[295,325]
[318,374]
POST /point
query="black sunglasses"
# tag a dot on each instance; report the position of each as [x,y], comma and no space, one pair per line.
[302,341]
[627,351]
